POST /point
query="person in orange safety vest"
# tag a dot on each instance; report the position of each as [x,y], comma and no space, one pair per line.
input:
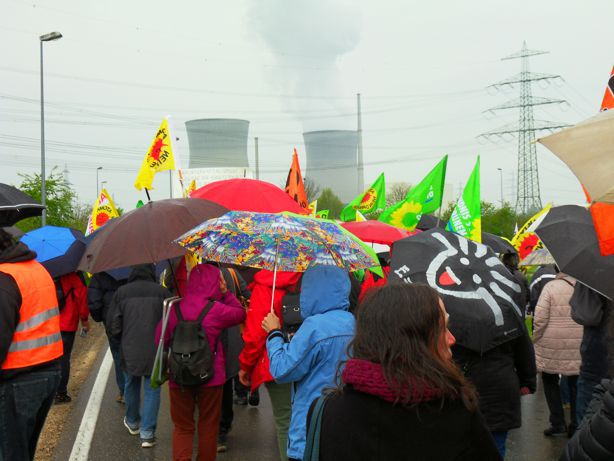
[30,348]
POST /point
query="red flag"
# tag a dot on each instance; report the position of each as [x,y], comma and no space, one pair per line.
[294,184]
[603,219]
[608,97]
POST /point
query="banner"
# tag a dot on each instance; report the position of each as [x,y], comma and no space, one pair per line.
[313,206]
[421,199]
[294,184]
[104,209]
[191,188]
[159,157]
[322,214]
[466,218]
[373,199]
[526,240]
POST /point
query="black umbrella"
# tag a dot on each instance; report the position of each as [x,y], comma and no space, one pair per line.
[16,205]
[569,234]
[480,294]
[146,235]
[497,244]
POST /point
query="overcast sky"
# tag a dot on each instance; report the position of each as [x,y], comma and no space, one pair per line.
[422,69]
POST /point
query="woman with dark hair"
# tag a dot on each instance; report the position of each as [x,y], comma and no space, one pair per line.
[402,397]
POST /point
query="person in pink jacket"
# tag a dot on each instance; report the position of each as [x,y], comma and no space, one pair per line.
[205,283]
[557,341]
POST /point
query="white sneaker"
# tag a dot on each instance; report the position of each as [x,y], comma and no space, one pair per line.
[148,443]
[131,430]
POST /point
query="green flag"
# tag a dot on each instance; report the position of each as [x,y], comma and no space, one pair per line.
[139,204]
[421,199]
[322,214]
[466,218]
[372,199]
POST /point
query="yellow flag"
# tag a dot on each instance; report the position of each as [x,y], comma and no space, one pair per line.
[159,157]
[104,209]
[360,217]
[526,240]
[191,188]
[313,206]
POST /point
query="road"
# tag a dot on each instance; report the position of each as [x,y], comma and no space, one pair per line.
[253,433]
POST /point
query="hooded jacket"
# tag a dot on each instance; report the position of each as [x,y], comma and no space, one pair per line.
[135,312]
[557,337]
[204,285]
[10,304]
[312,358]
[75,299]
[253,358]
[100,293]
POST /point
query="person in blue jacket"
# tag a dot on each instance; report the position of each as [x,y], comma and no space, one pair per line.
[312,358]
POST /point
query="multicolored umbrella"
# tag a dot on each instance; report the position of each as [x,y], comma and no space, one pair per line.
[282,241]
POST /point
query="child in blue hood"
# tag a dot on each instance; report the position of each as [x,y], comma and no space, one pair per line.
[312,358]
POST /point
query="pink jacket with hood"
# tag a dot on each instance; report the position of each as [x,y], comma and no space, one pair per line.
[556,336]
[203,285]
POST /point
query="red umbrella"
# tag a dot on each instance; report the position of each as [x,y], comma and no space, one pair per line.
[248,195]
[376,231]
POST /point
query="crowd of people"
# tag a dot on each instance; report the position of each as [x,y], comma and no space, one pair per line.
[353,370]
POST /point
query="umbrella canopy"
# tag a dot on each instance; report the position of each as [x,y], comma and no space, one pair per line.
[376,231]
[428,221]
[283,241]
[497,244]
[541,257]
[146,235]
[248,195]
[588,150]
[16,205]
[569,234]
[480,294]
[58,249]
[15,232]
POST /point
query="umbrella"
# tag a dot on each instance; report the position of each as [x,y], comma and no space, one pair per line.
[248,195]
[58,249]
[541,257]
[569,234]
[16,205]
[14,231]
[146,235]
[497,244]
[480,294]
[587,149]
[376,231]
[282,241]
[428,221]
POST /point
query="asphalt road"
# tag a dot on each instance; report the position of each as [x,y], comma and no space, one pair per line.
[253,433]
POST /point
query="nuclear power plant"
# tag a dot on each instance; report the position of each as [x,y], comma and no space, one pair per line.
[332,161]
[218,143]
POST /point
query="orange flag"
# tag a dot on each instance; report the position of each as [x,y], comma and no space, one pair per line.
[608,97]
[294,184]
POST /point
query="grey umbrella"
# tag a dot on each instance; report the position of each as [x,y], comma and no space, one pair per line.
[16,205]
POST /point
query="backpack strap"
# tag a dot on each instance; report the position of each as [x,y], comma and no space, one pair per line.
[205,311]
[312,446]
[178,312]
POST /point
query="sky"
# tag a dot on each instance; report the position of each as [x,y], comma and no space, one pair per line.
[423,70]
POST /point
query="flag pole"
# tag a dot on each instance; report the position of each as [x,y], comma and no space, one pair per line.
[147,192]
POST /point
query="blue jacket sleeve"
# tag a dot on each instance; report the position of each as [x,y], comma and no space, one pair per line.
[290,362]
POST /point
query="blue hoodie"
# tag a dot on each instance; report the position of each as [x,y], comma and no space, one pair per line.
[311,359]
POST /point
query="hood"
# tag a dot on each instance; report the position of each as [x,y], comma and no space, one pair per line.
[143,272]
[17,253]
[566,277]
[204,283]
[324,288]
[284,279]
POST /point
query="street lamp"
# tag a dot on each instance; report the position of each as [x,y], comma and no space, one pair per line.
[98,182]
[44,38]
[501,182]
[102,184]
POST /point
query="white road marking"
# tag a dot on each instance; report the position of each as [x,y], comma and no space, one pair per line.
[83,441]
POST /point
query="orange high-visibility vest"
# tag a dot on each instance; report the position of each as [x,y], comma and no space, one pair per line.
[37,337]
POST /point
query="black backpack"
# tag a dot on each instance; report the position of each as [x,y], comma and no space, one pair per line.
[190,360]
[291,311]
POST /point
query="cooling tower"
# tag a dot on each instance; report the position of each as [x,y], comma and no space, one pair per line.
[332,161]
[217,143]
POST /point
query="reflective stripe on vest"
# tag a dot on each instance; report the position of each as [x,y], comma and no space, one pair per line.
[37,338]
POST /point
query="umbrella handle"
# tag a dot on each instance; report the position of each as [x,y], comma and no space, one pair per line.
[274,278]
